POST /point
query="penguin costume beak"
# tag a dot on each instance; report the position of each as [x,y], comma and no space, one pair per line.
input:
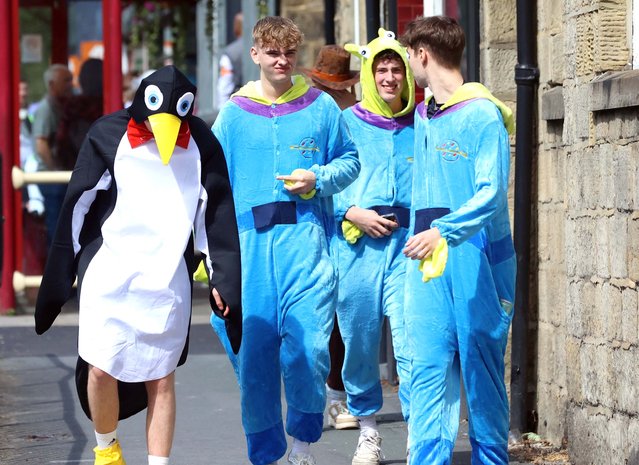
[165,128]
[165,98]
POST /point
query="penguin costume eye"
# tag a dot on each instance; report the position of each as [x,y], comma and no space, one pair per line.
[184,104]
[365,52]
[390,35]
[153,97]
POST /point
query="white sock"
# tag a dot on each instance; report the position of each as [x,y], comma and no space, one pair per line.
[367,425]
[334,396]
[155,460]
[300,447]
[106,440]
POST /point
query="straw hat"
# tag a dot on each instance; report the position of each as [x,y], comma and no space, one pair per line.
[332,68]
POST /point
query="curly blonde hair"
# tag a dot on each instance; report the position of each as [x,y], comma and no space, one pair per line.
[277,31]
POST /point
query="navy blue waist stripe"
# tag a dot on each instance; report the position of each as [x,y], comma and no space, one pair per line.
[402,213]
[269,214]
[425,216]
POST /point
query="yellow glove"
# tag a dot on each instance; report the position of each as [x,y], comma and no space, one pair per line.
[433,266]
[351,232]
[200,274]
[308,195]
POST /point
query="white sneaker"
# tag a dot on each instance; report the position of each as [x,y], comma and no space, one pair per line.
[301,459]
[369,449]
[339,417]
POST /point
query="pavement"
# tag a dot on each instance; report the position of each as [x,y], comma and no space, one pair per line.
[41,421]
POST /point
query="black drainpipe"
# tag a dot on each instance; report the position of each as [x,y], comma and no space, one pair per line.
[391,15]
[329,22]
[372,19]
[526,77]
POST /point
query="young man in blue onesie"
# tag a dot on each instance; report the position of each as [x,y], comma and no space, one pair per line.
[288,151]
[459,320]
[373,217]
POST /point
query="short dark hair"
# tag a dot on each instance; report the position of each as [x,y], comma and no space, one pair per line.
[442,36]
[388,54]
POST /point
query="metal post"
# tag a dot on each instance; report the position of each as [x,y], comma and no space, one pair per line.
[9,130]
[112,39]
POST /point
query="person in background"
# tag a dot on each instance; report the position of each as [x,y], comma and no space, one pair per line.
[460,288]
[79,113]
[33,228]
[284,171]
[230,78]
[58,81]
[331,74]
[373,218]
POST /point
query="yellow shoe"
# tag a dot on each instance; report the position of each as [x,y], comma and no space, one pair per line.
[110,456]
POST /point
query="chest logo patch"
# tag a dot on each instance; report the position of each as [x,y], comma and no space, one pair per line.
[306,147]
[450,150]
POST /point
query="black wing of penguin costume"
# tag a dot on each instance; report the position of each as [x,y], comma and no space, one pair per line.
[126,230]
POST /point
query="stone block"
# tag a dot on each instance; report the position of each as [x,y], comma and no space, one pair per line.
[605,176]
[602,248]
[594,361]
[624,178]
[630,316]
[498,70]
[618,244]
[633,249]
[608,312]
[552,104]
[586,246]
[614,90]
[584,45]
[570,237]
[618,438]
[588,433]
[611,40]
[569,39]
[551,406]
[623,379]
[499,18]
[573,370]
[574,312]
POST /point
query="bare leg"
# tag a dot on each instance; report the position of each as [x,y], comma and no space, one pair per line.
[160,418]
[104,404]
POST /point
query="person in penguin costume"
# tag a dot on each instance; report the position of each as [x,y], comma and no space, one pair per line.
[150,186]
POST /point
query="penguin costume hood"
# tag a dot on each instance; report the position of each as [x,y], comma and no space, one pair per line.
[150,186]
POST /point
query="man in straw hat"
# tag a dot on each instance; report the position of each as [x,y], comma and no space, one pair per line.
[332,75]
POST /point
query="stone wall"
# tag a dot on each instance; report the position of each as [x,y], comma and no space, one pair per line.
[588,231]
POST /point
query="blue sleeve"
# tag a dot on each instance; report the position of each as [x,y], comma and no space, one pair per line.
[492,165]
[342,164]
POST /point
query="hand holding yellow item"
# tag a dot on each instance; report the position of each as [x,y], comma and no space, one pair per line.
[288,182]
[351,232]
[434,265]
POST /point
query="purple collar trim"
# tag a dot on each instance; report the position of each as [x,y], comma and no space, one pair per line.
[421,109]
[281,109]
[382,121]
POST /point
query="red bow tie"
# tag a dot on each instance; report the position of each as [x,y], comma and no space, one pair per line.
[138,134]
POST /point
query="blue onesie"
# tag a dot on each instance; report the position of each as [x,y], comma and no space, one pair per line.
[372,270]
[290,281]
[459,321]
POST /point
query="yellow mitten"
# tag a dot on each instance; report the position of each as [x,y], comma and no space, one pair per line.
[200,274]
[433,266]
[308,195]
[351,232]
